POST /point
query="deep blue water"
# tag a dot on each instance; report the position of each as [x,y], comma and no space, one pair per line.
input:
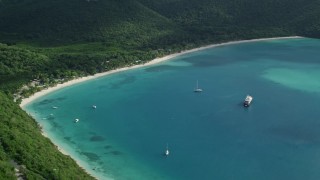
[210,134]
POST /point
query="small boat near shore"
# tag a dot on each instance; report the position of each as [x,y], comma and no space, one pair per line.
[247,101]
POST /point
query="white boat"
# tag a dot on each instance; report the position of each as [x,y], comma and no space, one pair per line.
[76,120]
[54,107]
[166,153]
[94,106]
[197,89]
[247,101]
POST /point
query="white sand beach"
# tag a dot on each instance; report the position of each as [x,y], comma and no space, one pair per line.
[155,61]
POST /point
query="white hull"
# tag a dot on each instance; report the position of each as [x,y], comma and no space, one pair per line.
[247,101]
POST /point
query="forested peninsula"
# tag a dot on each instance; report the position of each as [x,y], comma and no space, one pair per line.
[46,42]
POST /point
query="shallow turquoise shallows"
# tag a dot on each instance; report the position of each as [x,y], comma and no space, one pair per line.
[210,135]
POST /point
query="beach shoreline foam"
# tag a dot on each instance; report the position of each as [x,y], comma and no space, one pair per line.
[37,95]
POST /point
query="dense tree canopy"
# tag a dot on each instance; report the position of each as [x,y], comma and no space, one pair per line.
[21,142]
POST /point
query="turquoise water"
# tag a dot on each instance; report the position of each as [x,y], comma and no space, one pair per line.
[210,135]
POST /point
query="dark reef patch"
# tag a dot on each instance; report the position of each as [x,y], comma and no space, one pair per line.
[116,153]
[107,147]
[50,101]
[67,138]
[91,156]
[297,135]
[97,138]
[55,125]
[60,98]
[44,102]
[160,68]
[50,118]
[125,80]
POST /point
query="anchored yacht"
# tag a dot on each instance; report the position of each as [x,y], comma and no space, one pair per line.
[247,101]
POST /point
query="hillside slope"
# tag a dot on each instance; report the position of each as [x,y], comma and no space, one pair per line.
[61,22]
[35,156]
[219,17]
[144,23]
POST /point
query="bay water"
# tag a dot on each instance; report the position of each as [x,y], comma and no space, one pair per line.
[210,135]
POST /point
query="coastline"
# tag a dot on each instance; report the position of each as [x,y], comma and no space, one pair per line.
[154,61]
[39,94]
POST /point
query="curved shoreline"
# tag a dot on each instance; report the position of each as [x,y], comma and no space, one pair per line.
[35,96]
[155,61]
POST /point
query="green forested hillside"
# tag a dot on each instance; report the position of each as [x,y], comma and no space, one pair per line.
[21,143]
[74,21]
[221,18]
[139,22]
[17,66]
[57,40]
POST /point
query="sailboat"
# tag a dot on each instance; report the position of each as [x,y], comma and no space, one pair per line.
[197,89]
[166,153]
